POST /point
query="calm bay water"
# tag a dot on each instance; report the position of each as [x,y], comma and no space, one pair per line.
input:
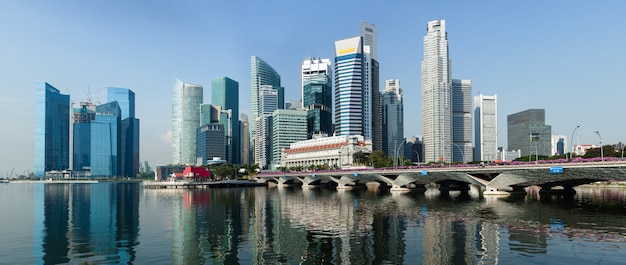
[110,223]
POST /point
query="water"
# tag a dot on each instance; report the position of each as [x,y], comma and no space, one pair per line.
[110,223]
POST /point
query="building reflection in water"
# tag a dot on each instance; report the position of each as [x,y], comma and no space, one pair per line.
[86,223]
[319,226]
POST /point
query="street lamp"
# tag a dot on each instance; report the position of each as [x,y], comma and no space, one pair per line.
[572,151]
[396,159]
[417,155]
[623,152]
[601,149]
[462,154]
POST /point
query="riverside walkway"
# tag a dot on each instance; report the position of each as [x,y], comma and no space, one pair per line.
[498,179]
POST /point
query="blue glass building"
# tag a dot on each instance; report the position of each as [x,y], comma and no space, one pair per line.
[225,93]
[52,130]
[349,84]
[318,103]
[105,144]
[81,147]
[129,133]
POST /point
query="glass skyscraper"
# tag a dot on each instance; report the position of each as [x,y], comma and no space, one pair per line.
[83,116]
[186,102]
[393,119]
[462,121]
[105,144]
[262,144]
[52,129]
[225,93]
[318,103]
[349,71]
[262,74]
[436,94]
[372,109]
[129,134]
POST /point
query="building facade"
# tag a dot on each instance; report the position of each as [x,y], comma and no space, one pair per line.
[210,142]
[313,67]
[262,74]
[186,102]
[372,105]
[225,93]
[331,152]
[527,131]
[262,143]
[129,137]
[436,94]
[105,141]
[486,127]
[317,101]
[52,129]
[462,150]
[558,143]
[244,137]
[83,116]
[288,126]
[393,119]
[349,72]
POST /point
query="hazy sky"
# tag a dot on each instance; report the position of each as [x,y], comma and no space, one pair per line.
[565,56]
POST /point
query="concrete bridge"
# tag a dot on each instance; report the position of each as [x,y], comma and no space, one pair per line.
[555,178]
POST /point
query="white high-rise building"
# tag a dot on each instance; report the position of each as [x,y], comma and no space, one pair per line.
[393,119]
[185,120]
[486,127]
[462,121]
[311,67]
[349,86]
[372,112]
[288,126]
[268,103]
[437,94]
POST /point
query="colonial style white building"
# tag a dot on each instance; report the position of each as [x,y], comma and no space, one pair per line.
[335,151]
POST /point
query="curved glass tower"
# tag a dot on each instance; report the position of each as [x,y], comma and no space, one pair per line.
[262,74]
[185,120]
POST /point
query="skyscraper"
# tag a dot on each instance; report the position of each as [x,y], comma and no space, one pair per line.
[486,127]
[244,137]
[210,142]
[262,74]
[436,94]
[393,119]
[186,103]
[225,93]
[262,144]
[129,138]
[462,121]
[52,129]
[83,116]
[105,144]
[349,72]
[527,131]
[288,126]
[318,104]
[311,67]
[372,109]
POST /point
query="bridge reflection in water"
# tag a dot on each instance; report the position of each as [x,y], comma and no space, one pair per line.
[553,178]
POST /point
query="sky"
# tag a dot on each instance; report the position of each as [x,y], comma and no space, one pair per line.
[566,57]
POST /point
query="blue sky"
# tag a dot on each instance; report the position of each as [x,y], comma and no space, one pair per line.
[565,56]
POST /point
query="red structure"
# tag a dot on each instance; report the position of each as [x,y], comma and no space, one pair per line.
[196,172]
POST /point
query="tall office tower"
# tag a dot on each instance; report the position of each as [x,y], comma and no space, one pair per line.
[225,93]
[462,121]
[349,86]
[244,139]
[558,144]
[372,105]
[262,74]
[81,138]
[210,142]
[527,131]
[209,114]
[486,128]
[288,126]
[129,138]
[268,103]
[317,101]
[311,67]
[105,144]
[52,129]
[436,94]
[185,120]
[393,119]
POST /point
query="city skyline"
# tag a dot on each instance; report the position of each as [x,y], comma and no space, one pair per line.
[551,61]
